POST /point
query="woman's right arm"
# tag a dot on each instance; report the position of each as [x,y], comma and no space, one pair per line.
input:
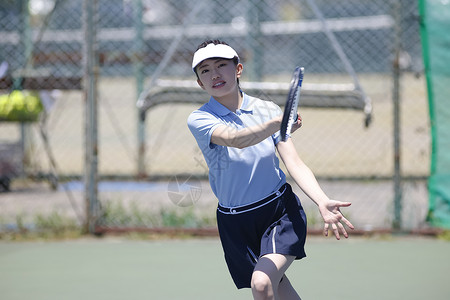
[228,136]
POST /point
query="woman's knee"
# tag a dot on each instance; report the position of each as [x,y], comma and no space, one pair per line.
[261,283]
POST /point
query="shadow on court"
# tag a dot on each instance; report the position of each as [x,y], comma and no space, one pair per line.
[118,268]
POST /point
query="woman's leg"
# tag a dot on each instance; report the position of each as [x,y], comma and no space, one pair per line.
[286,291]
[267,275]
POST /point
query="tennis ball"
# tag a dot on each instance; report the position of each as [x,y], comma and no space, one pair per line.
[16,103]
[3,103]
[32,103]
[6,106]
[20,106]
[17,99]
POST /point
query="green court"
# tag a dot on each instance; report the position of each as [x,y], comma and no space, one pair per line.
[118,268]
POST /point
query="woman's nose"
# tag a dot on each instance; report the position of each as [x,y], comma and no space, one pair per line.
[215,75]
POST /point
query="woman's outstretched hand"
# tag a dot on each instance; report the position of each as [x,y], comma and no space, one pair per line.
[333,217]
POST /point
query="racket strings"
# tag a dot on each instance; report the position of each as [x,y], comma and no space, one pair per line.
[290,114]
[293,114]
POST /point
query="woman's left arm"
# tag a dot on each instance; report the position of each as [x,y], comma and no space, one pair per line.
[305,179]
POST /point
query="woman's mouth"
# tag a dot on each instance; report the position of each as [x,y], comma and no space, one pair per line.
[218,84]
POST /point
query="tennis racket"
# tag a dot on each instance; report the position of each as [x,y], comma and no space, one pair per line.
[290,115]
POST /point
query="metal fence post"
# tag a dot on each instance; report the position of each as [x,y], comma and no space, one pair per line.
[139,77]
[397,223]
[255,63]
[27,44]
[91,70]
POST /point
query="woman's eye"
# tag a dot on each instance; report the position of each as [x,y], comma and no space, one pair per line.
[204,71]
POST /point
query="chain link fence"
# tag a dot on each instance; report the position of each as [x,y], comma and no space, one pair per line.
[152,173]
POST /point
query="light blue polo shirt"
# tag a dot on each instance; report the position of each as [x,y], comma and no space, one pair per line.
[238,176]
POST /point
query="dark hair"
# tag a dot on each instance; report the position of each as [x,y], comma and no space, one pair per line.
[207,42]
[216,42]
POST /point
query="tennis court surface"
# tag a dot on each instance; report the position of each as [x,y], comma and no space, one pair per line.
[119,268]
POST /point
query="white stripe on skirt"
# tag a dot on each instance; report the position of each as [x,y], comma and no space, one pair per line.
[274,248]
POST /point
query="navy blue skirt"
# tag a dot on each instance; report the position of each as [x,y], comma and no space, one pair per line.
[275,224]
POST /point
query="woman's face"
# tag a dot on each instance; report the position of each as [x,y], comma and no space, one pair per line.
[218,76]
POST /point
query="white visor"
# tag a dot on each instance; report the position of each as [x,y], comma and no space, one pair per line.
[213,51]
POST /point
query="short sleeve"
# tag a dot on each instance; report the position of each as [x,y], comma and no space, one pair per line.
[202,125]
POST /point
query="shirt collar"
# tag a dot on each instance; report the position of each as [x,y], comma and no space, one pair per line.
[221,110]
[218,108]
[247,104]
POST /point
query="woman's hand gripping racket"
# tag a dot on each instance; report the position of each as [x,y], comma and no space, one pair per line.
[290,115]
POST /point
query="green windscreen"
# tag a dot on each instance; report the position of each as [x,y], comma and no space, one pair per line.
[435,34]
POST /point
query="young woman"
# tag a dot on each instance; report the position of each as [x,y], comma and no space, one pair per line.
[262,225]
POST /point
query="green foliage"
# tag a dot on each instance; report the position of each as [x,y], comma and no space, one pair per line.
[54,223]
[116,214]
[445,235]
[46,227]
[184,218]
[20,223]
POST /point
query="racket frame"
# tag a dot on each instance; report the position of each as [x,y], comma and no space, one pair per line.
[290,115]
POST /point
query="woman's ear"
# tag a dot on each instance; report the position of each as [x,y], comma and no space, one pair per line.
[239,69]
[200,84]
